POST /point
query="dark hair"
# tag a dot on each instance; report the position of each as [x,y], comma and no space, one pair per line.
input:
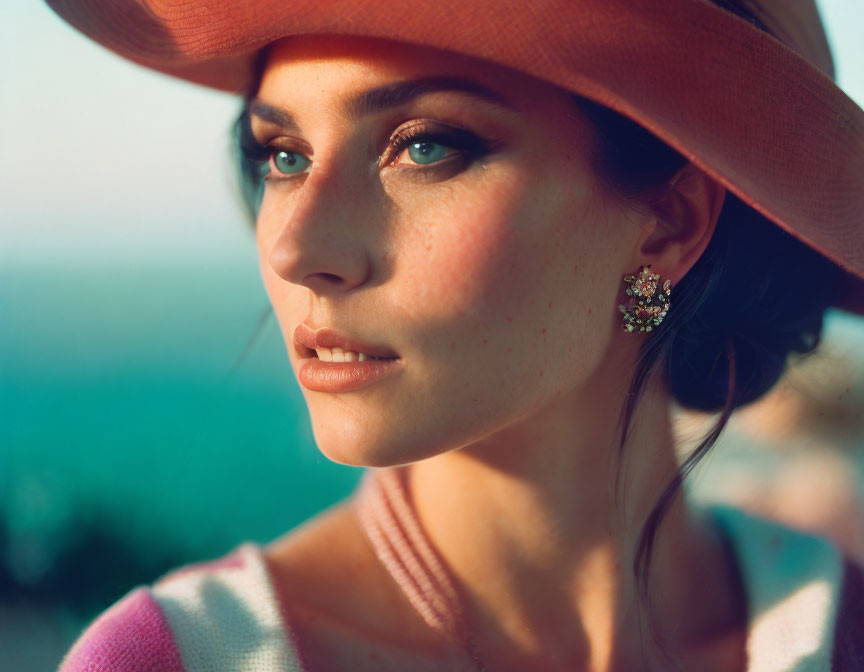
[735,317]
[249,176]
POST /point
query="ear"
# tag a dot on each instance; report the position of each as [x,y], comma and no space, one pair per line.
[683,219]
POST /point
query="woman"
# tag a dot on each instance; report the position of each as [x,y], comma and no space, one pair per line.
[449,190]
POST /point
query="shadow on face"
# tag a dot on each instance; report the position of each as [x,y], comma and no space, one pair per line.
[441,207]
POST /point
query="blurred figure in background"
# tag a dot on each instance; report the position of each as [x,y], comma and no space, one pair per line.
[797,454]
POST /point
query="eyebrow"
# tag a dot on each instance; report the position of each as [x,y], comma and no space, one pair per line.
[384,97]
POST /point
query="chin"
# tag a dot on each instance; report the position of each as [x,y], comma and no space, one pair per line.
[347,444]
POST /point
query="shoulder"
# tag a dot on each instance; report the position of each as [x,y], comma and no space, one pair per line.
[805,596]
[327,567]
[131,635]
[346,608]
[207,615]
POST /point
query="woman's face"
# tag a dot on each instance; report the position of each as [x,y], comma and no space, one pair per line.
[485,258]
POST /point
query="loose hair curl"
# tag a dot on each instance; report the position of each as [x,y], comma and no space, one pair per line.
[753,298]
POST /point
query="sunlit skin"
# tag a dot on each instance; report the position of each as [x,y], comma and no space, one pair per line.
[496,279]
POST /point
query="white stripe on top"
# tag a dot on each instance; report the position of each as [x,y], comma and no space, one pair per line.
[227,619]
[793,591]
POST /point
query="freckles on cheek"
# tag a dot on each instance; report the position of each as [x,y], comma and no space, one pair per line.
[466,262]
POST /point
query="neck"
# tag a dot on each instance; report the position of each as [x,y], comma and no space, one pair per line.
[527,522]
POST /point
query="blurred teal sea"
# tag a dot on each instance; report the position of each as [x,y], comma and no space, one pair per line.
[118,384]
[130,442]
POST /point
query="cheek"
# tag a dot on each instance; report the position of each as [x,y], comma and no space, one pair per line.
[497,271]
[459,266]
[489,251]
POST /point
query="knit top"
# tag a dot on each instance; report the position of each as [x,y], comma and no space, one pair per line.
[805,610]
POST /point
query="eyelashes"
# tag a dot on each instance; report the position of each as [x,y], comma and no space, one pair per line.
[259,160]
[468,145]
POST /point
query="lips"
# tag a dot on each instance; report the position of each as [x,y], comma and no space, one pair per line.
[306,340]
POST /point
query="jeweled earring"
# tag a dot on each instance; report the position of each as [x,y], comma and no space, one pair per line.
[646,307]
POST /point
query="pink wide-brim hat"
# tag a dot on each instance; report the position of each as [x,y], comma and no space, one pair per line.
[760,114]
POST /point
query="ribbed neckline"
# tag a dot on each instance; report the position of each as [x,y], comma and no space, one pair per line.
[791,579]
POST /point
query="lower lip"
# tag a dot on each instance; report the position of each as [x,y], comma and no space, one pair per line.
[319,376]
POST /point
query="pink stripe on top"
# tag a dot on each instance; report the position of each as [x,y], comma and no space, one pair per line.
[132,635]
[383,505]
[220,615]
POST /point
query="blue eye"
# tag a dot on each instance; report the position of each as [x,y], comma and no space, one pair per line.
[433,147]
[426,152]
[290,163]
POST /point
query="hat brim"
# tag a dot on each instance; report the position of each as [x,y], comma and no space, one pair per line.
[743,106]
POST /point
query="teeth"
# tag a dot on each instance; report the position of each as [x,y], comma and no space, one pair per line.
[340,355]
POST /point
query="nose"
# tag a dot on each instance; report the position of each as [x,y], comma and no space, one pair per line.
[321,245]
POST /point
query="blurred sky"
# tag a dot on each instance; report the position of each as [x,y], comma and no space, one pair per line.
[104,163]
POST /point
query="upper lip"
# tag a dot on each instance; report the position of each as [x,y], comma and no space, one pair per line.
[307,340]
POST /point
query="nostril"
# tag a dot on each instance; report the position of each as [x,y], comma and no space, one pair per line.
[322,281]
